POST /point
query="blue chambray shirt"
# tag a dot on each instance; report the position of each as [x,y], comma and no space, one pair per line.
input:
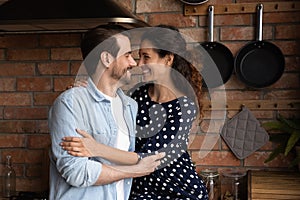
[72,178]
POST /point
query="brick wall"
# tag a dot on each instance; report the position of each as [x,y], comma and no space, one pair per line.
[35,68]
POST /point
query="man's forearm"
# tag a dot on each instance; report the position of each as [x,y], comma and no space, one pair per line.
[111,174]
[144,167]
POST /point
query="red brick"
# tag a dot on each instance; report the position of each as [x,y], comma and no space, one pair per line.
[235,47]
[1,112]
[244,33]
[75,65]
[44,99]
[287,81]
[15,99]
[34,171]
[289,114]
[236,95]
[214,114]
[215,2]
[34,84]
[61,84]
[234,20]
[287,32]
[60,40]
[18,41]
[66,54]
[234,83]
[204,142]
[12,140]
[12,126]
[2,54]
[211,125]
[263,114]
[195,34]
[19,169]
[38,141]
[21,156]
[281,17]
[146,6]
[25,113]
[27,54]
[17,69]
[177,20]
[126,4]
[7,84]
[29,184]
[292,63]
[288,47]
[257,159]
[53,68]
[215,158]
[41,127]
[282,94]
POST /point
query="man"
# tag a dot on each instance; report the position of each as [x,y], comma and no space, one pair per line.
[102,110]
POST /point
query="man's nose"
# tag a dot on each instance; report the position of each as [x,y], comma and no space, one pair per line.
[132,62]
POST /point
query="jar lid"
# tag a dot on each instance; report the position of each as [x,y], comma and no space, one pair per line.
[234,173]
[209,173]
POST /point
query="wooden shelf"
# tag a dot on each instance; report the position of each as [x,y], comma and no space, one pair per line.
[241,8]
[253,105]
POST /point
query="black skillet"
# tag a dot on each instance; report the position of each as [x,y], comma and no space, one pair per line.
[260,63]
[220,54]
[193,2]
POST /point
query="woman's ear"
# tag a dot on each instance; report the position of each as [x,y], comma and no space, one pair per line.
[106,58]
[169,59]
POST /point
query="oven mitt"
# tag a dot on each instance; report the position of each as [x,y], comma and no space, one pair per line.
[244,134]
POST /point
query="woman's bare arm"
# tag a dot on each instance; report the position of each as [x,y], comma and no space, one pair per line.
[87,146]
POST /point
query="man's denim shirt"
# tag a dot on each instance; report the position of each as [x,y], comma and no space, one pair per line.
[72,177]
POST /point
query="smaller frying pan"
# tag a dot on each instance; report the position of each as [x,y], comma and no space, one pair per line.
[260,63]
[220,54]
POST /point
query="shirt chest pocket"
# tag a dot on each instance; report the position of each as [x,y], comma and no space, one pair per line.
[103,136]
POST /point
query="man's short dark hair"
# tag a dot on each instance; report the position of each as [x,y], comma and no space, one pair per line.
[91,49]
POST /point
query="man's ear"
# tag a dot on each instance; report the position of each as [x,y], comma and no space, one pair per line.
[106,58]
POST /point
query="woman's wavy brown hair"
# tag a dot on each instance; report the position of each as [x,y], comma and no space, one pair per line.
[167,40]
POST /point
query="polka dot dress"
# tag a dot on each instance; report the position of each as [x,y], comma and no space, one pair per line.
[164,127]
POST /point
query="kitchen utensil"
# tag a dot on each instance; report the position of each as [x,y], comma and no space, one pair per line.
[193,2]
[243,134]
[259,63]
[220,54]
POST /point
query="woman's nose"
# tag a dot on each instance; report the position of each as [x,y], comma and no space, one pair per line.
[140,62]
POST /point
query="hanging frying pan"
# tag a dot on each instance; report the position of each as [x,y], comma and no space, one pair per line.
[193,2]
[260,63]
[220,54]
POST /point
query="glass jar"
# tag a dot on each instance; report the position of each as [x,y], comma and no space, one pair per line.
[234,185]
[9,179]
[211,179]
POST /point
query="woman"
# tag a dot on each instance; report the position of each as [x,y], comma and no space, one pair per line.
[168,101]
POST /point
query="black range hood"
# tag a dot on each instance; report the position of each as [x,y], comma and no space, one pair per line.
[62,15]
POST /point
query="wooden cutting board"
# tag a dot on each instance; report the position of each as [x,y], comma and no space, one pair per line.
[266,185]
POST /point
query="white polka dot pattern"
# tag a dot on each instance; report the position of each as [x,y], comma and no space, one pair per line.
[164,127]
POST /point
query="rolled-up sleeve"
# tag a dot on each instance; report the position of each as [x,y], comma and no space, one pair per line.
[64,117]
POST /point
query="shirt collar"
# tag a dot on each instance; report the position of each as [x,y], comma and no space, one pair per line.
[98,96]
